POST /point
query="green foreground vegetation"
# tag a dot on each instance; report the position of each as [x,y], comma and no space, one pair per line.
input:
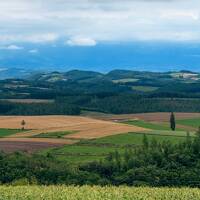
[97,193]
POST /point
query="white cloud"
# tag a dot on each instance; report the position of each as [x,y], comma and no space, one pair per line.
[12,47]
[33,51]
[31,38]
[42,21]
[81,41]
[176,14]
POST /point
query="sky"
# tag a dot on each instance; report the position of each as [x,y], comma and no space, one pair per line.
[100,34]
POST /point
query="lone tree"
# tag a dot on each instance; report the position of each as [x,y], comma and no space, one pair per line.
[172,122]
[23,123]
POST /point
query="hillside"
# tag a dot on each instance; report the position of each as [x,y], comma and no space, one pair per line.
[119,92]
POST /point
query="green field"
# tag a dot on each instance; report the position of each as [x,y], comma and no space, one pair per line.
[54,134]
[125,80]
[80,153]
[96,149]
[96,193]
[190,122]
[148,125]
[8,132]
[144,88]
[137,138]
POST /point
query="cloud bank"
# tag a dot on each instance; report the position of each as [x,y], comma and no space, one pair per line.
[88,22]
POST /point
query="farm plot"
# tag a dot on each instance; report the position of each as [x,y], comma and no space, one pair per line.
[96,149]
[60,130]
[8,132]
[97,193]
[133,139]
[79,153]
[149,125]
[190,122]
[150,117]
[86,128]
[12,146]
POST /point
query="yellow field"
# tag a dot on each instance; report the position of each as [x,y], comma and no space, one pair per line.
[86,128]
[96,193]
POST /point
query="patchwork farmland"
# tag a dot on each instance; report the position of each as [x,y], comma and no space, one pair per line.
[90,137]
[58,130]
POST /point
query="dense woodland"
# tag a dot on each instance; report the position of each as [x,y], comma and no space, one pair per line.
[153,164]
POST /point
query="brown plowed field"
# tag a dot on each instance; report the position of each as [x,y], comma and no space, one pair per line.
[12,146]
[41,140]
[86,128]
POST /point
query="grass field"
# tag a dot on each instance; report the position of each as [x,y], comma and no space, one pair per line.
[149,125]
[96,193]
[60,134]
[190,122]
[96,149]
[81,153]
[137,138]
[8,132]
[144,88]
[126,80]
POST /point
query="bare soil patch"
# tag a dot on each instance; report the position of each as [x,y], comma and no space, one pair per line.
[12,146]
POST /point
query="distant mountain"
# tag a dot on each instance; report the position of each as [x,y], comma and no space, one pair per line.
[8,73]
[118,76]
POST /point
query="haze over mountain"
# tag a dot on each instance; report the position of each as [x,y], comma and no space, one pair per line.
[154,35]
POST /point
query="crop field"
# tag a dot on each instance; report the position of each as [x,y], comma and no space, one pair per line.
[60,134]
[96,193]
[29,147]
[190,122]
[79,153]
[144,88]
[8,132]
[149,125]
[83,139]
[149,117]
[137,138]
[86,128]
[55,130]
[96,149]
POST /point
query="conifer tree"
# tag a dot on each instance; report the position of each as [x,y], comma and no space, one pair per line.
[172,122]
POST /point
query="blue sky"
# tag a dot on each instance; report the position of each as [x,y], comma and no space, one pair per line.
[100,34]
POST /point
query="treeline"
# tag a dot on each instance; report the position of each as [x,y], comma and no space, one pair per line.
[152,164]
[131,103]
[103,102]
[7,108]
